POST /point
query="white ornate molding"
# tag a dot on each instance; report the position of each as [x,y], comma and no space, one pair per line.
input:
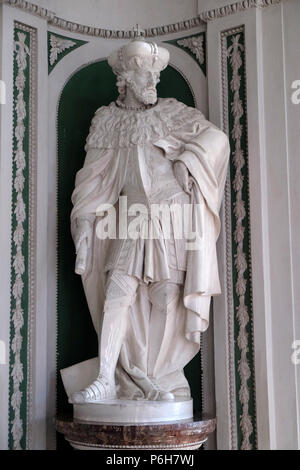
[195,45]
[54,20]
[229,281]
[234,54]
[22,52]
[32,230]
[23,237]
[125,34]
[57,46]
[90,446]
[184,25]
[239,314]
[235,7]
[31,8]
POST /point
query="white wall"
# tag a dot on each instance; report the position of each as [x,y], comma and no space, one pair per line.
[291,31]
[281,67]
[5,244]
[273,63]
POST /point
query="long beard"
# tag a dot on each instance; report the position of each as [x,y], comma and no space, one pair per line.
[146,95]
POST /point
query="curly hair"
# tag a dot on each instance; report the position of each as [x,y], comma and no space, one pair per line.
[121,85]
[123,79]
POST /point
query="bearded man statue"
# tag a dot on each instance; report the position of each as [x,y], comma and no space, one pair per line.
[149,296]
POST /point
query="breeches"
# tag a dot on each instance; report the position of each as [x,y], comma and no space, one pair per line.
[121,291]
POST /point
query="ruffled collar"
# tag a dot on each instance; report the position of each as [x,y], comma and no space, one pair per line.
[114,127]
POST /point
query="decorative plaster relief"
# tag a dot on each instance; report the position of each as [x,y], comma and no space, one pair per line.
[240,340]
[23,237]
[233,8]
[59,46]
[149,32]
[195,46]
[102,32]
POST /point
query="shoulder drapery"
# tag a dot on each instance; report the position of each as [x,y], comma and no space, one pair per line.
[98,182]
[204,150]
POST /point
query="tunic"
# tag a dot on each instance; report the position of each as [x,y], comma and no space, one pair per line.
[150,181]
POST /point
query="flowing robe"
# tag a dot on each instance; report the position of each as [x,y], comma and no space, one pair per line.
[118,137]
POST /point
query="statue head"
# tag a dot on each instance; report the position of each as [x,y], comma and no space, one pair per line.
[138,66]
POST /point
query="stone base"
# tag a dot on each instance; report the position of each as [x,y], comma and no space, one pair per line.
[181,435]
[134,411]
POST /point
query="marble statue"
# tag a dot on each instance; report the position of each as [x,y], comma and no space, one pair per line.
[148,289]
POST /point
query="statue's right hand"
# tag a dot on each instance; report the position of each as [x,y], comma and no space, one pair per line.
[84,231]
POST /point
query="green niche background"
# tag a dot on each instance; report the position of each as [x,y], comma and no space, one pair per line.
[88,89]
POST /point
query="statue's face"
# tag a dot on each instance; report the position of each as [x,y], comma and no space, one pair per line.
[143,84]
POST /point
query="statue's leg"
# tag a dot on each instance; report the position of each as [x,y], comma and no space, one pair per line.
[120,294]
[161,294]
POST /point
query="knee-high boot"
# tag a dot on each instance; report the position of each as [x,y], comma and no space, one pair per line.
[111,338]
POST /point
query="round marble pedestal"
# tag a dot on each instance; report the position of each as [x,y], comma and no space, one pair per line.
[181,435]
[134,411]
